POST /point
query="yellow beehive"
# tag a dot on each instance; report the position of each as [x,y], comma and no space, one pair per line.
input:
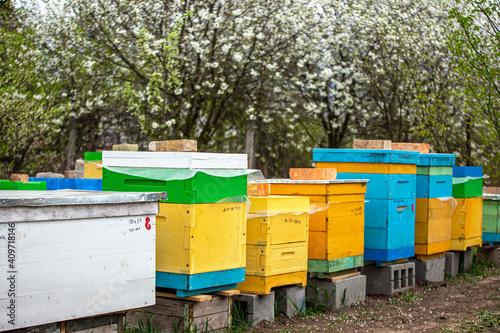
[267,260]
[384,168]
[467,224]
[92,169]
[336,230]
[277,220]
[199,238]
[433,225]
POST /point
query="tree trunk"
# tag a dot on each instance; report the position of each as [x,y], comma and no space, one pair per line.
[70,148]
[250,144]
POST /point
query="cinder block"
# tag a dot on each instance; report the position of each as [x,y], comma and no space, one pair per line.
[49,175]
[388,280]
[422,148]
[372,144]
[80,165]
[489,254]
[466,257]
[313,174]
[258,189]
[73,174]
[431,270]
[173,145]
[451,263]
[258,307]
[126,147]
[24,178]
[291,300]
[330,294]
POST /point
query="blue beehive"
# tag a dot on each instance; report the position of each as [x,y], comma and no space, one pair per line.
[390,195]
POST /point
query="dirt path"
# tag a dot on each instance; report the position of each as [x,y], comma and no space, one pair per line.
[467,303]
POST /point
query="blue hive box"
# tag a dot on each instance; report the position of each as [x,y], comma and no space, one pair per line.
[389,229]
[468,171]
[70,183]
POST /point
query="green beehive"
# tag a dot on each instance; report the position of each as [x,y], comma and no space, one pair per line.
[491,216]
[464,187]
[182,186]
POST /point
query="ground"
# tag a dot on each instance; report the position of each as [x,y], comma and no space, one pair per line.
[466,303]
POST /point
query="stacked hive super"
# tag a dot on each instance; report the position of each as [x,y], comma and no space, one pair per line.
[201,227]
[491,215]
[336,227]
[434,204]
[390,194]
[467,220]
[276,243]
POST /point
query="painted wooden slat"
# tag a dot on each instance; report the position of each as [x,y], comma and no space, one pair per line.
[365,156]
[389,255]
[196,282]
[435,170]
[334,265]
[264,284]
[175,160]
[385,168]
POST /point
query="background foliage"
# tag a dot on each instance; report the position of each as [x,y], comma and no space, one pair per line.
[271,78]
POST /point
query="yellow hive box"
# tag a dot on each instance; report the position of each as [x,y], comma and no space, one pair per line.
[263,284]
[336,229]
[268,260]
[433,225]
[386,168]
[467,224]
[279,220]
[200,238]
[92,169]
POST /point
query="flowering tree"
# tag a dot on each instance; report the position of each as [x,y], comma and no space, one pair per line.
[27,128]
[476,44]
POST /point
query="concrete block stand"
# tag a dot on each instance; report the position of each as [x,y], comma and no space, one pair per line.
[431,270]
[388,280]
[331,293]
[258,307]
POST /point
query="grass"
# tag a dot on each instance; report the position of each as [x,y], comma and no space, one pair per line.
[408,297]
[322,300]
[479,270]
[240,317]
[142,327]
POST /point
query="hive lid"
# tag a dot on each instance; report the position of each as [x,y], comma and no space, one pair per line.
[436,160]
[176,160]
[72,197]
[365,156]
